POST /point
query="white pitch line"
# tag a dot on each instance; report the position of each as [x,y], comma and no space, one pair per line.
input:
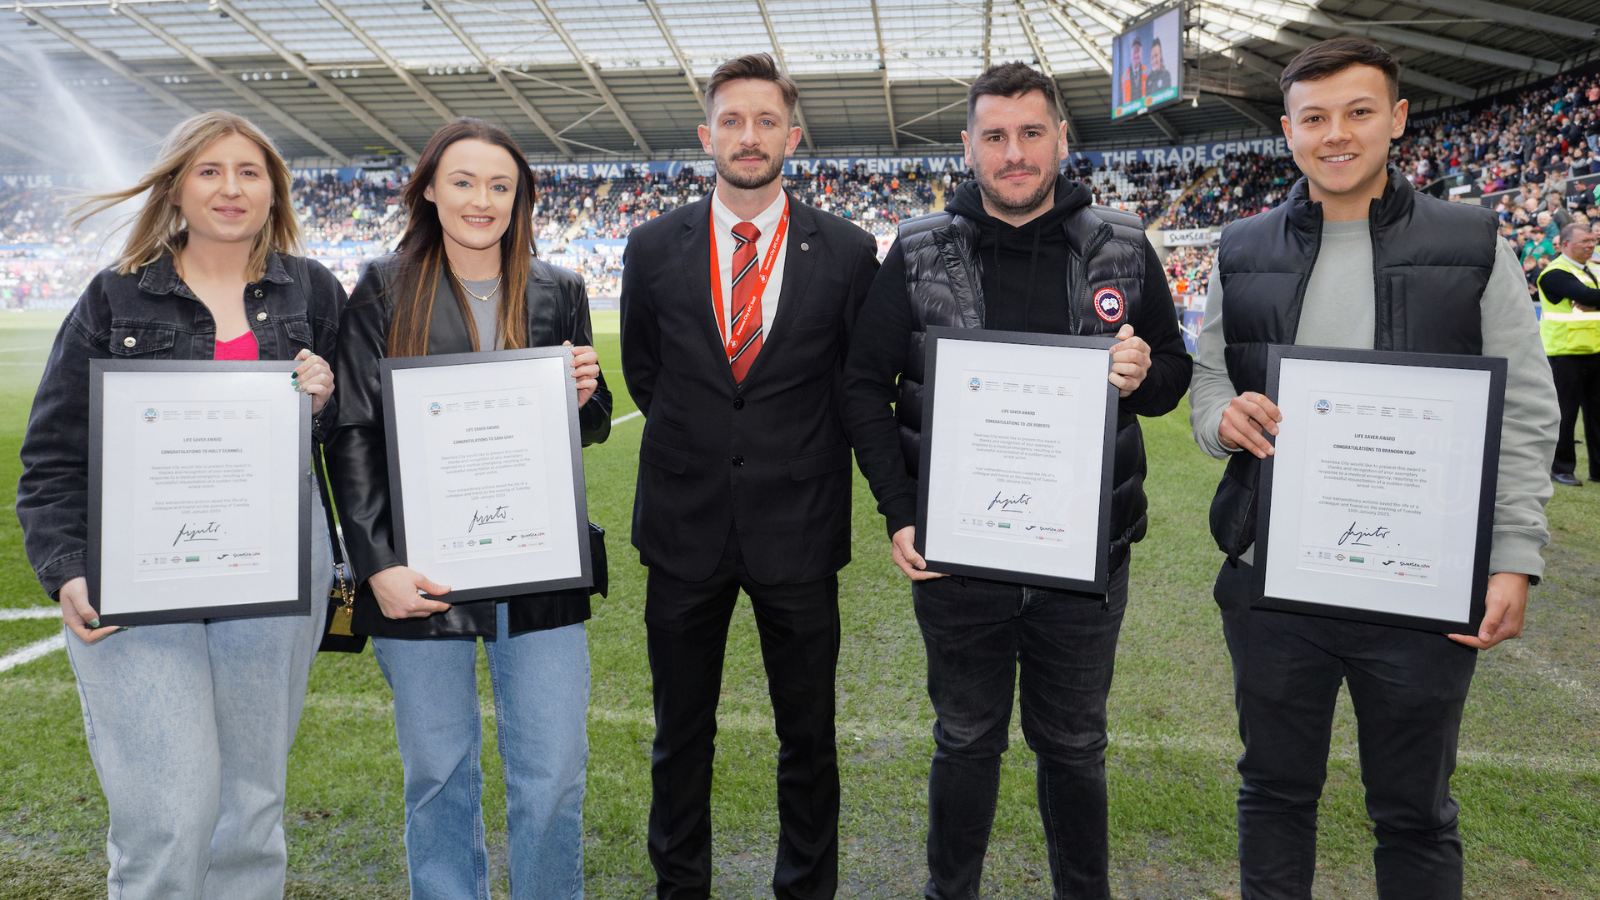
[620,419]
[31,612]
[33,651]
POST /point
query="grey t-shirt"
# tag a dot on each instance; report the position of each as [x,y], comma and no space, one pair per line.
[485,312]
[1339,312]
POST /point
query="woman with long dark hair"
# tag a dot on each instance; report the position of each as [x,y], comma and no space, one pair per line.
[189,724]
[465,278]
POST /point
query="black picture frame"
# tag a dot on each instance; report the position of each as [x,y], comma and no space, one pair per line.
[930,434]
[1496,367]
[397,478]
[98,369]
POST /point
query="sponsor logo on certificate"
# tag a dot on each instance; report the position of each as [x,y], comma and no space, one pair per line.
[1323,408]
[434,409]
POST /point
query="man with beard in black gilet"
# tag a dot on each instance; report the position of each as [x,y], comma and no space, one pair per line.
[1020,248]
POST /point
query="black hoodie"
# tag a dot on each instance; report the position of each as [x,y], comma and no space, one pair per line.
[1024,269]
[1025,274]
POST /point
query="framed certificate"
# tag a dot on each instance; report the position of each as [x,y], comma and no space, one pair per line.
[486,471]
[1378,501]
[1017,432]
[199,491]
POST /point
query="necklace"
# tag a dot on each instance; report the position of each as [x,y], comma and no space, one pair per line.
[485,297]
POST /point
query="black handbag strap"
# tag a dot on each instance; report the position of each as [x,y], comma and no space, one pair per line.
[319,465]
[319,470]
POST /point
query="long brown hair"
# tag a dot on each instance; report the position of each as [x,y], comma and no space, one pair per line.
[421,250]
[159,227]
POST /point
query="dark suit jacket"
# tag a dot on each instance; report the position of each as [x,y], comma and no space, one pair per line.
[357,455]
[769,456]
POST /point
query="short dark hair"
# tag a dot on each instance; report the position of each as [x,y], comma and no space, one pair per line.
[1328,58]
[1012,79]
[759,66]
[1155,43]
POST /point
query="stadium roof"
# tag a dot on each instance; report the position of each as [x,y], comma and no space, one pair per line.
[342,80]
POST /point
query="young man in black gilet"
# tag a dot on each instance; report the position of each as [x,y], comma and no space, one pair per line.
[1355,258]
[1017,249]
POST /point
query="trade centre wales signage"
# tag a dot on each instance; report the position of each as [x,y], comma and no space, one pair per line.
[1207,154]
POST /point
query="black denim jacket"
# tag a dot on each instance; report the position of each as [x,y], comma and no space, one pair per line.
[149,314]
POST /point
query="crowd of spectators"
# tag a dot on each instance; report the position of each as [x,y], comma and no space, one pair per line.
[1242,185]
[1531,220]
[1537,143]
[356,211]
[877,202]
[1542,136]
[1138,186]
[31,215]
[1189,272]
[32,281]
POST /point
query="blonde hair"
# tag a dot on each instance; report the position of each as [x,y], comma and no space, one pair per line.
[159,227]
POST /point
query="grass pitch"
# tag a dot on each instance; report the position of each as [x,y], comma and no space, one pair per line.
[1528,782]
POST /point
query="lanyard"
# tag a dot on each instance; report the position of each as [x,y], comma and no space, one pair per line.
[742,327]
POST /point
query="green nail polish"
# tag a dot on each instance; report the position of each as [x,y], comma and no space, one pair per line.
[94,623]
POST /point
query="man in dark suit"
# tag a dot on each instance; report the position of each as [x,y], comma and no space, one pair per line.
[736,312]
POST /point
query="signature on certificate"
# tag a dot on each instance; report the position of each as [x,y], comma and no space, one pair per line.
[1005,503]
[479,517]
[1356,536]
[211,531]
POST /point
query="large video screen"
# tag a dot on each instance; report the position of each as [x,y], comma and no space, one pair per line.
[1147,64]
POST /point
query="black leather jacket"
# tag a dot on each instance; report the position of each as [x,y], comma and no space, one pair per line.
[147,314]
[356,450]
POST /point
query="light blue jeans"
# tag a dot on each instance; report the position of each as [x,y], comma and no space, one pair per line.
[189,727]
[541,701]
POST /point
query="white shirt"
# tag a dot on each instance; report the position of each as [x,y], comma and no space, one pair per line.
[766,221]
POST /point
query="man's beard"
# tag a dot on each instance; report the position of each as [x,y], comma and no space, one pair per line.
[726,171]
[1031,204]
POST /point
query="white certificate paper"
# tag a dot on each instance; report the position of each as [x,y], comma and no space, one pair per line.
[485,473]
[488,493]
[202,485]
[1375,489]
[1015,461]
[202,491]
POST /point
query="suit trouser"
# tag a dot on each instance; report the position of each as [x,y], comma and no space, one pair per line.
[1408,689]
[1577,381]
[687,625]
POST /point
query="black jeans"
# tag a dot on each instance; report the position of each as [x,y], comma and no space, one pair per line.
[977,634]
[1577,381]
[687,624]
[1408,688]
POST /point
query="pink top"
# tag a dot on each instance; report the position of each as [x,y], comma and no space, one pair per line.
[242,347]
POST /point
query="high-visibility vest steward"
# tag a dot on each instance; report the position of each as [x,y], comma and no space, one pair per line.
[1563,336]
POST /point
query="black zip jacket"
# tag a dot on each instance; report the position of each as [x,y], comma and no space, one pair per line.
[146,314]
[356,450]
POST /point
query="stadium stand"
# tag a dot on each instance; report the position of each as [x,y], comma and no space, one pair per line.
[1523,145]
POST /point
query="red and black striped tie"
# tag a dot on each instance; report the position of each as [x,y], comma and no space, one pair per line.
[745,281]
